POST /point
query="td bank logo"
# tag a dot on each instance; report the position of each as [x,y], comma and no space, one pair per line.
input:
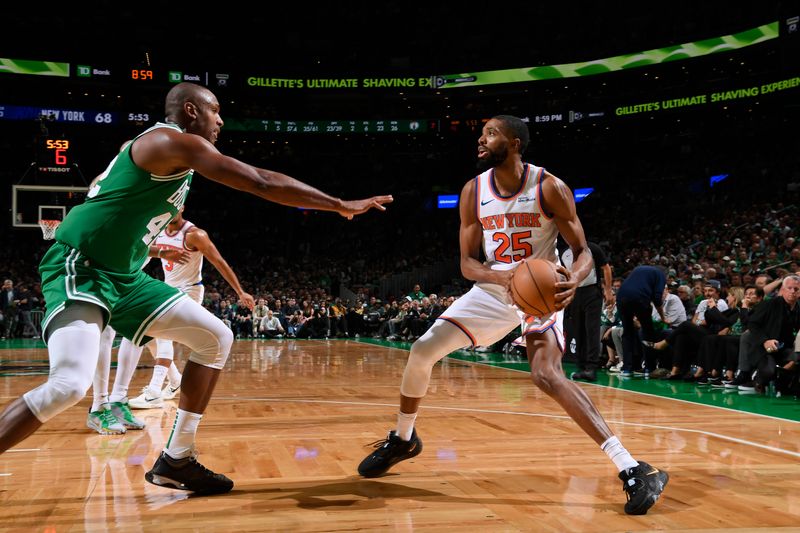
[83,71]
[175,76]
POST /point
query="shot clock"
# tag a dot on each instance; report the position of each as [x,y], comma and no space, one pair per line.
[55,156]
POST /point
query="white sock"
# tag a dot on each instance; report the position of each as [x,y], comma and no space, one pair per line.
[181,440]
[103,371]
[157,381]
[617,453]
[98,400]
[174,375]
[405,425]
[127,359]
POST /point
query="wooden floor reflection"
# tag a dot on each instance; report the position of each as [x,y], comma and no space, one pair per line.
[290,421]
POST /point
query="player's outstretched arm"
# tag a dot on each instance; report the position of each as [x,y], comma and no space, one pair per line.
[180,257]
[165,151]
[199,240]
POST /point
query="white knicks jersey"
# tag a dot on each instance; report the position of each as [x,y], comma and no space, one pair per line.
[177,275]
[516,226]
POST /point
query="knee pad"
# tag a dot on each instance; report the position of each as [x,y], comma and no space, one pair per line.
[73,353]
[164,349]
[190,324]
[441,339]
[211,348]
[56,395]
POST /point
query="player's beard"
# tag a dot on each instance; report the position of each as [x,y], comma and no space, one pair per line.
[494,159]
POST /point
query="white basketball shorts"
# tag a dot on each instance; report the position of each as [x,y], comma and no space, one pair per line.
[486,314]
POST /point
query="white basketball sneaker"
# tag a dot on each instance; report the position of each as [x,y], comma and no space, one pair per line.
[170,391]
[147,400]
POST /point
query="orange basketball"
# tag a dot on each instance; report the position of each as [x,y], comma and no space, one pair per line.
[533,286]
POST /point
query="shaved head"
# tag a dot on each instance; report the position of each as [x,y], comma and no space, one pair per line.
[195,109]
[186,92]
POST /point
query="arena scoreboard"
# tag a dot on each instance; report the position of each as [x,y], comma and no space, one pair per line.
[329,126]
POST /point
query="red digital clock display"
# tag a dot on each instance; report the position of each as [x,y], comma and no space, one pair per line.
[60,148]
[141,74]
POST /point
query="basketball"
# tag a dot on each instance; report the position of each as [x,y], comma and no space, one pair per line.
[533,286]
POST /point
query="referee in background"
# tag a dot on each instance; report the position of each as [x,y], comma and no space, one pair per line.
[582,316]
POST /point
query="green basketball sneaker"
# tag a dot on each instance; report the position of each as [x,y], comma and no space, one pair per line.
[123,413]
[104,422]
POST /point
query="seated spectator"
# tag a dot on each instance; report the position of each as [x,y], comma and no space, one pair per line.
[674,311]
[722,350]
[395,322]
[242,323]
[296,322]
[337,314]
[685,295]
[225,313]
[686,339]
[417,293]
[259,313]
[770,340]
[270,326]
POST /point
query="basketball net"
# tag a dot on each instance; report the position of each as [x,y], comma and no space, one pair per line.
[49,228]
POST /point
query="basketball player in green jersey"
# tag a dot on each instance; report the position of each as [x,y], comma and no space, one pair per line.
[91,276]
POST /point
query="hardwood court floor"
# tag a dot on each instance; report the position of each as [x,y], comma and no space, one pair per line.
[290,420]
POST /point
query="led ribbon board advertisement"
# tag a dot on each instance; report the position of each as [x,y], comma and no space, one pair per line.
[36,68]
[611,64]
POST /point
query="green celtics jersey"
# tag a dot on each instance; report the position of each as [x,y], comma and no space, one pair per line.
[124,212]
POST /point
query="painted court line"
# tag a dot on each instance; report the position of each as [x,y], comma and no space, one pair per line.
[490,365]
[696,404]
[520,413]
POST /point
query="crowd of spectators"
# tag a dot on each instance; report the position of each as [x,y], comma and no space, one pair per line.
[718,267]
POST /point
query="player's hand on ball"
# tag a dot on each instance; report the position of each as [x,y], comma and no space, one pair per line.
[503,278]
[565,289]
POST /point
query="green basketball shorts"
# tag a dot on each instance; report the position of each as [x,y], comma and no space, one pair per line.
[131,302]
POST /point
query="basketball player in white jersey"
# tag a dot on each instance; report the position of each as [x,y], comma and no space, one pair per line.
[179,235]
[514,210]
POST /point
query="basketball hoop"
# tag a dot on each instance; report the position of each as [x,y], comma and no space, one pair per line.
[49,228]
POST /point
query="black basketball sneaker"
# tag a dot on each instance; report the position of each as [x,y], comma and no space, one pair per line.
[187,474]
[643,485]
[389,452]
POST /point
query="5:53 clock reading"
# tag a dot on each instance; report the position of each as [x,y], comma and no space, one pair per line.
[139,117]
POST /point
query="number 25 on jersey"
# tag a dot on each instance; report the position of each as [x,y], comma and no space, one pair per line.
[520,249]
